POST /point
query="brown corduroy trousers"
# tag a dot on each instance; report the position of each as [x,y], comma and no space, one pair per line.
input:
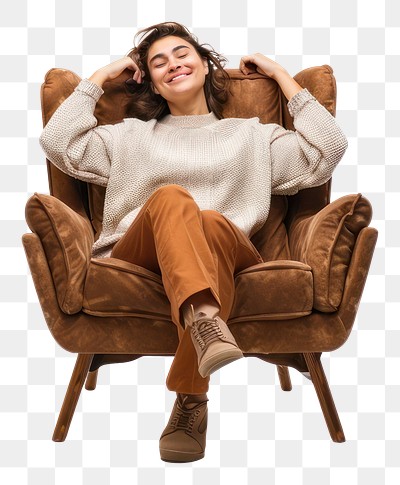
[192,250]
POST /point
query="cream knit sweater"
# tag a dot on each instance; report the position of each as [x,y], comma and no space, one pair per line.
[230,165]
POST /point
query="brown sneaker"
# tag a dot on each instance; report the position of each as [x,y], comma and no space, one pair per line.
[214,343]
[184,438]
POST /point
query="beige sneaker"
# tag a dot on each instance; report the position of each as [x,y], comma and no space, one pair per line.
[214,343]
[184,438]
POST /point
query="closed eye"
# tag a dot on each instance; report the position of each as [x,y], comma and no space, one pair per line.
[163,55]
[163,63]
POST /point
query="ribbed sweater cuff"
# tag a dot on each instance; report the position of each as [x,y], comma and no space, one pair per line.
[298,101]
[92,89]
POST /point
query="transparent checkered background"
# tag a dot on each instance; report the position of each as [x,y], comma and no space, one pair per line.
[257,433]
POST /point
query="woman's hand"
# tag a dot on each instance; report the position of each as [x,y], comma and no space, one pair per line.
[262,64]
[113,70]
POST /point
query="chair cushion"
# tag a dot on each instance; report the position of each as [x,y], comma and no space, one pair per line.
[67,240]
[245,89]
[274,290]
[117,288]
[325,241]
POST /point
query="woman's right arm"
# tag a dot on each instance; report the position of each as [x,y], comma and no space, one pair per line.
[113,70]
[72,140]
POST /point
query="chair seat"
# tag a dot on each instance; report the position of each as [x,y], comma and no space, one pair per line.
[268,291]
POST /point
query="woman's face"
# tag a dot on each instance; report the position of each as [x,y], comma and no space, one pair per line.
[176,69]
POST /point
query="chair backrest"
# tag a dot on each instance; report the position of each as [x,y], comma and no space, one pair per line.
[250,96]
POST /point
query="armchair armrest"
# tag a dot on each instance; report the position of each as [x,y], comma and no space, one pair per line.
[325,241]
[67,240]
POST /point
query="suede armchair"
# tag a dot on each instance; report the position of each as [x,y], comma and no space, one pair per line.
[300,302]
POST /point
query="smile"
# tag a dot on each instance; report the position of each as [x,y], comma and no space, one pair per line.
[180,76]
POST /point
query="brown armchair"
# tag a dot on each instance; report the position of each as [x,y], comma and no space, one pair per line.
[300,302]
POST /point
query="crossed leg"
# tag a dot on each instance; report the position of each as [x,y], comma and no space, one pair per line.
[197,254]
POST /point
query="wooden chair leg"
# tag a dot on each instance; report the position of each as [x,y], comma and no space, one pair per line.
[71,398]
[91,380]
[284,378]
[321,386]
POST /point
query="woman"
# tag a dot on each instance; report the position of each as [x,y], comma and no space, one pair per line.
[186,190]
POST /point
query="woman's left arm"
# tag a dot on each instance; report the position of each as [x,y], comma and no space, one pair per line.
[305,157]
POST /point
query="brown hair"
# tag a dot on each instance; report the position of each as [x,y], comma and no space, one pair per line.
[150,105]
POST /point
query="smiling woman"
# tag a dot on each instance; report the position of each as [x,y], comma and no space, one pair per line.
[178,74]
[148,59]
[186,190]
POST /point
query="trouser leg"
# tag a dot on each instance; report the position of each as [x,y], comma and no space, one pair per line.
[167,238]
[193,251]
[232,252]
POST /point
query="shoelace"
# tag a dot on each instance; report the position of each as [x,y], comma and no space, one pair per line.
[185,418]
[206,330]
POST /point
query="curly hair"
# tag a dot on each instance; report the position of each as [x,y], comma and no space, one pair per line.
[150,105]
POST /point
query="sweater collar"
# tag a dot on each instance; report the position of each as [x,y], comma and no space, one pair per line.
[191,121]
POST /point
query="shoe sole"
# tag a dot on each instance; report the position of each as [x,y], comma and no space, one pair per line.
[218,360]
[172,456]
